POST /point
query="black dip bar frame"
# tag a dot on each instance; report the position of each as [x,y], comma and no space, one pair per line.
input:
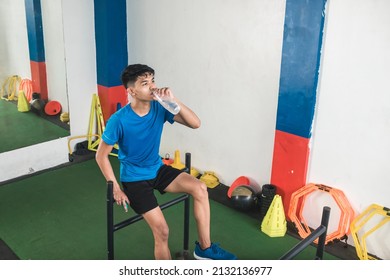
[111,227]
[319,233]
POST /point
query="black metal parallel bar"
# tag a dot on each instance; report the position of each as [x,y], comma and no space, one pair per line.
[303,243]
[188,160]
[138,217]
[186,223]
[322,238]
[110,221]
[319,232]
[187,208]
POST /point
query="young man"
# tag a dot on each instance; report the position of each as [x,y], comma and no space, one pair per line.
[137,129]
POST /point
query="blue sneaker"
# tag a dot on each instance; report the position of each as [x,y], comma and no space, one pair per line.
[214,252]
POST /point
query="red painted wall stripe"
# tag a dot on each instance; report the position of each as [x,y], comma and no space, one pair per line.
[291,155]
[109,98]
[39,79]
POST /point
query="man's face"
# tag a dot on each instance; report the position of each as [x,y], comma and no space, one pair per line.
[142,88]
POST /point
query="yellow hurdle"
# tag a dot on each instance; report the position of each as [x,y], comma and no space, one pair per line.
[9,93]
[95,128]
[360,221]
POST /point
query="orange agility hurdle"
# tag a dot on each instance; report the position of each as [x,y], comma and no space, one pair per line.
[297,202]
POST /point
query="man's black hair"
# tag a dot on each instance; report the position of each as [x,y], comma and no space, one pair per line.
[132,72]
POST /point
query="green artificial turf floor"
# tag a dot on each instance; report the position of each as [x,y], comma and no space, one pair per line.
[60,214]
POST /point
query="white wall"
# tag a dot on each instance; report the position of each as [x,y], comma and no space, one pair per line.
[14,54]
[34,158]
[54,51]
[350,147]
[80,53]
[221,58]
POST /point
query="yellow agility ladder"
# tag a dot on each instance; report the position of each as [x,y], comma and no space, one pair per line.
[9,93]
[95,128]
[361,221]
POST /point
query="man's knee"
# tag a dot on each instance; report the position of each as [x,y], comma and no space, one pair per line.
[200,191]
[161,231]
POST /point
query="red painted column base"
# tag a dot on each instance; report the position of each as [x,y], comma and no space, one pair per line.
[289,165]
[39,79]
[109,98]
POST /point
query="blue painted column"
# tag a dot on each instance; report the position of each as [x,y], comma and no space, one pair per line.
[301,53]
[36,47]
[111,53]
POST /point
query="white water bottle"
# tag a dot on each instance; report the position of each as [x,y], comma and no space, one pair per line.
[168,103]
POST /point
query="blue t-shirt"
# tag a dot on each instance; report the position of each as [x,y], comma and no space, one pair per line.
[138,139]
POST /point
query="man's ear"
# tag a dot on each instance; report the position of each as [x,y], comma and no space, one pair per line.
[130,91]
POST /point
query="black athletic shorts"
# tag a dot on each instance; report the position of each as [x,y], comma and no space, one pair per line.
[141,193]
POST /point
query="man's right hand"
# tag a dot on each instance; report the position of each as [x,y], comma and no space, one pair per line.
[121,198]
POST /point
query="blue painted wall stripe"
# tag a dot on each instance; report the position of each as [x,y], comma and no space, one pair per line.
[35,30]
[111,41]
[302,41]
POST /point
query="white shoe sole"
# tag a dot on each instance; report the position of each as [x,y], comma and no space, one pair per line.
[200,258]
